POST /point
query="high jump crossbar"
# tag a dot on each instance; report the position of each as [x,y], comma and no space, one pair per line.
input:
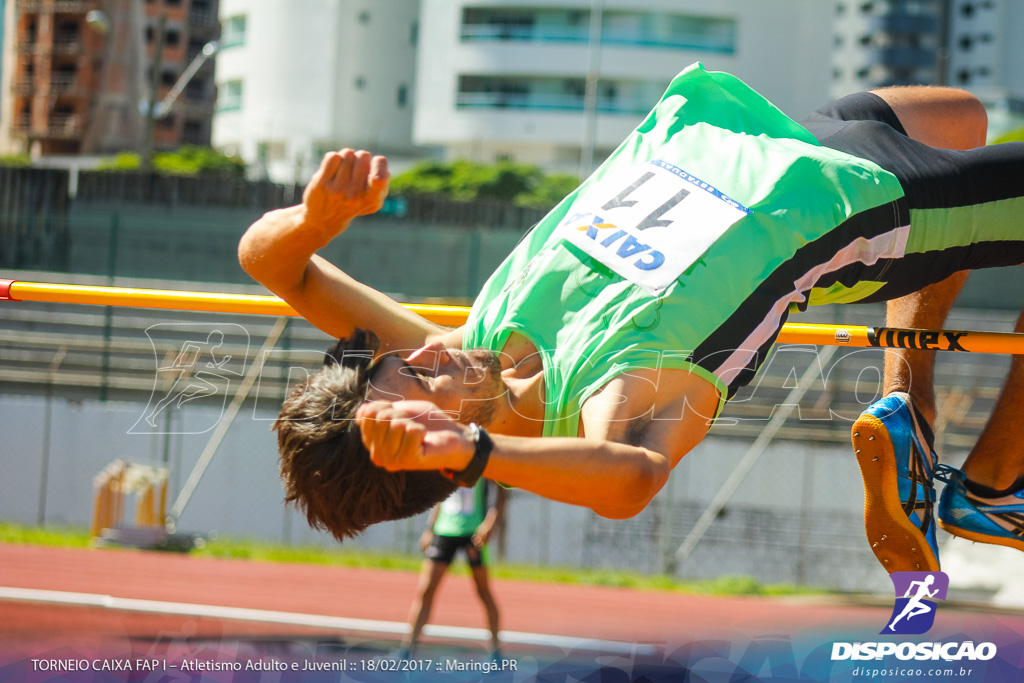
[250,304]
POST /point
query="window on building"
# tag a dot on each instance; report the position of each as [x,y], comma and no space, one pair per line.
[491,23]
[232,31]
[172,3]
[169,77]
[402,97]
[271,150]
[229,95]
[167,122]
[64,76]
[323,147]
[623,26]
[67,32]
[172,38]
[967,9]
[193,133]
[196,89]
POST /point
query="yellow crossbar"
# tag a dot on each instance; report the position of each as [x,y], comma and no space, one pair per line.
[792,333]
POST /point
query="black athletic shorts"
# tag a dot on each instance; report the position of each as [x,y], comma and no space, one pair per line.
[966,206]
[443,549]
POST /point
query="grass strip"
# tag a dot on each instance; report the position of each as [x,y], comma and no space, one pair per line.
[262,551]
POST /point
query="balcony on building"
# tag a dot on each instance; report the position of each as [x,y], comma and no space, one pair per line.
[65,82]
[202,19]
[67,38]
[619,28]
[903,56]
[904,24]
[65,125]
[30,6]
[546,94]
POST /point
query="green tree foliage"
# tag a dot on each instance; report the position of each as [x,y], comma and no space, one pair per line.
[466,181]
[16,160]
[1012,136]
[187,160]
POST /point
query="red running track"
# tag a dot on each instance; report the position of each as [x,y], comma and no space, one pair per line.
[600,613]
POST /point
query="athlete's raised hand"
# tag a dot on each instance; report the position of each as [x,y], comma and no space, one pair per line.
[413,435]
[349,183]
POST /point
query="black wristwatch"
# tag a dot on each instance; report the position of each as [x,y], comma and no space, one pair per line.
[482,447]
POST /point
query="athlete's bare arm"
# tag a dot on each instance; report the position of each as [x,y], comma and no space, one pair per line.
[495,516]
[279,251]
[633,432]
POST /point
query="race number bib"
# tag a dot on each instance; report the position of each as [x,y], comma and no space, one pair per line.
[651,225]
[462,502]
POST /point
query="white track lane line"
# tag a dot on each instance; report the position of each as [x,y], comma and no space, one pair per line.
[340,623]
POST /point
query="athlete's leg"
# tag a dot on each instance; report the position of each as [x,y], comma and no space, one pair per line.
[483,590]
[950,119]
[986,501]
[997,460]
[891,439]
[913,371]
[431,573]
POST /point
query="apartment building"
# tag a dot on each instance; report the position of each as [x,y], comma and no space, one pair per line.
[78,74]
[560,82]
[296,79]
[971,44]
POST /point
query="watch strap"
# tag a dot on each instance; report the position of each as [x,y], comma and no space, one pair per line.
[482,447]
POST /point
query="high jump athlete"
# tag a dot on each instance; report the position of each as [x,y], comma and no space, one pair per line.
[599,352]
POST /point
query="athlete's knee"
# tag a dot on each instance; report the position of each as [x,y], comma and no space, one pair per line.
[943,117]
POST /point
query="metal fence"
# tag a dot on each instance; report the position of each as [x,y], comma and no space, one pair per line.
[134,225]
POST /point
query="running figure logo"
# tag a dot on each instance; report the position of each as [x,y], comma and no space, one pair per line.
[916,592]
[197,366]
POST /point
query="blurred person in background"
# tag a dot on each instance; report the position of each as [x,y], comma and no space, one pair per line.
[465,521]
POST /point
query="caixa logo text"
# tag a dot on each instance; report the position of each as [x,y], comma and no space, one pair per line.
[624,245]
[949,652]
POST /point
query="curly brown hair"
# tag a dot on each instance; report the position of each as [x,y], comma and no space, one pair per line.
[325,467]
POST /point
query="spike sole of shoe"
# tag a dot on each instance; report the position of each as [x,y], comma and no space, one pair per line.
[982,538]
[895,540]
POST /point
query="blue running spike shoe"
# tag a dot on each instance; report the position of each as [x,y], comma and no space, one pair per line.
[893,446]
[985,520]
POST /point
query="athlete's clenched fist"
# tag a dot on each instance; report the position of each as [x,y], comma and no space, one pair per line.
[413,435]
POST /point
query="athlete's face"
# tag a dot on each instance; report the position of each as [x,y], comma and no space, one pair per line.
[466,383]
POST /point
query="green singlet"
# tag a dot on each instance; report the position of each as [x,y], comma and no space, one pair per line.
[673,254]
[461,513]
